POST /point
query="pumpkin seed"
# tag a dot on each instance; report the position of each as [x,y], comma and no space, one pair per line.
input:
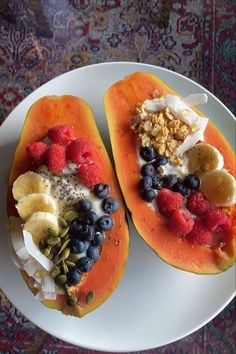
[41,245]
[61,279]
[64,267]
[62,222]
[72,300]
[71,215]
[65,254]
[73,257]
[56,259]
[64,232]
[50,257]
[90,297]
[63,246]
[59,245]
[52,232]
[47,251]
[70,264]
[53,240]
[55,271]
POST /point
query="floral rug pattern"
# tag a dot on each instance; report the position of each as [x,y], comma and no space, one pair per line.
[40,39]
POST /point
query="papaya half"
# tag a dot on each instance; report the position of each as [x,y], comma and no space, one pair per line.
[120,102]
[106,273]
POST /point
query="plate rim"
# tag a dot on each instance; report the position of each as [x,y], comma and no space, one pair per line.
[122,63]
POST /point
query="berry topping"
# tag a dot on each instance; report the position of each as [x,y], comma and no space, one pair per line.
[90,218]
[87,233]
[101,190]
[110,205]
[199,233]
[75,228]
[169,181]
[160,161]
[80,151]
[56,157]
[157,182]
[148,153]
[84,205]
[180,188]
[148,194]
[191,181]
[99,238]
[93,253]
[84,264]
[197,203]
[145,182]
[61,134]
[73,277]
[217,220]
[169,201]
[104,223]
[77,246]
[181,222]
[89,174]
[37,151]
[147,170]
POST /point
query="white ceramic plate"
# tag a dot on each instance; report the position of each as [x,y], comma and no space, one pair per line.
[155,304]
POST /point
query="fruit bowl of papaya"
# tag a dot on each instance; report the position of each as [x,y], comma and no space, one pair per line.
[120,207]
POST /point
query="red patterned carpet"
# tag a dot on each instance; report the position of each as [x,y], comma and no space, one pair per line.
[49,37]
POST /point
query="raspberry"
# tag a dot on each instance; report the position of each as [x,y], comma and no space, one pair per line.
[56,157]
[37,151]
[89,174]
[181,222]
[61,134]
[197,203]
[169,201]
[80,151]
[199,233]
[217,220]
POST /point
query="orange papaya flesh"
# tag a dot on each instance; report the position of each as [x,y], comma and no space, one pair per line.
[120,102]
[106,273]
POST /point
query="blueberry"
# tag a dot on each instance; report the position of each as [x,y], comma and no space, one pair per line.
[77,246]
[84,264]
[101,190]
[145,182]
[191,181]
[169,181]
[160,161]
[148,194]
[84,205]
[87,233]
[147,170]
[99,238]
[90,218]
[93,253]
[110,205]
[180,188]
[75,228]
[104,223]
[157,182]
[73,277]
[148,153]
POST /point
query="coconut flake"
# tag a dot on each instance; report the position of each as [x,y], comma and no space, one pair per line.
[23,255]
[48,284]
[187,115]
[42,295]
[195,99]
[31,266]
[154,106]
[34,284]
[194,137]
[35,252]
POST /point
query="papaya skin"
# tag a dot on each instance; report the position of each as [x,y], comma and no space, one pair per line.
[120,102]
[106,274]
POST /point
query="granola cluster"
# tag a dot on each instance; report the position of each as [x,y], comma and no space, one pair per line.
[162,130]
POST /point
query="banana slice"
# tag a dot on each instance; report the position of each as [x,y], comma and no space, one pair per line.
[219,187]
[34,202]
[39,223]
[30,182]
[204,158]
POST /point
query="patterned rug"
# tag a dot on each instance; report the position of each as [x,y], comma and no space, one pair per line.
[42,39]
